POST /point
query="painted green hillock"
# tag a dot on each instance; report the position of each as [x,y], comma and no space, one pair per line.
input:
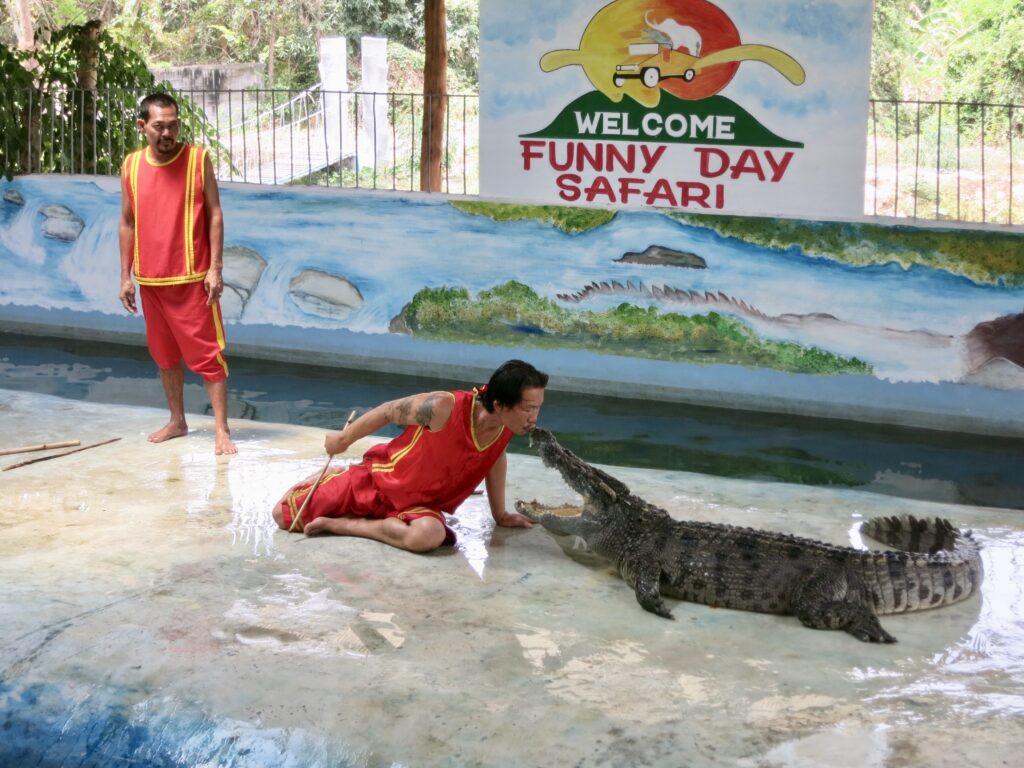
[572,221]
[983,256]
[513,314]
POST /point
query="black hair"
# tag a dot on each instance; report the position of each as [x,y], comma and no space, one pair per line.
[508,382]
[158,100]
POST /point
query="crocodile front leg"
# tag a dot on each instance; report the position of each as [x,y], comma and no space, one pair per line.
[826,600]
[644,576]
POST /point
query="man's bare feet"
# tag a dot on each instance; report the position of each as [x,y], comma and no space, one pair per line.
[317,526]
[339,526]
[223,444]
[170,431]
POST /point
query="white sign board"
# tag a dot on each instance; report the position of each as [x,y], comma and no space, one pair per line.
[755,107]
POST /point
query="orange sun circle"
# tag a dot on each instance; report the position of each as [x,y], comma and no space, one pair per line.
[717,33]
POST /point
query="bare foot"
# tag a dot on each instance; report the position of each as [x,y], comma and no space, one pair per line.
[316,527]
[170,431]
[223,444]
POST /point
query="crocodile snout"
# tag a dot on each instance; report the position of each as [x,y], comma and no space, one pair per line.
[541,437]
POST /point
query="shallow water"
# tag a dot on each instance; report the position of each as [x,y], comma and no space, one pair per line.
[919,464]
[154,616]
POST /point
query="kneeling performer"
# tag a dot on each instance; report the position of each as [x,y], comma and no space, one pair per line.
[399,492]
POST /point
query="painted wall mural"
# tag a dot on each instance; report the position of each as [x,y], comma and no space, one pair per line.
[748,309]
[732,106]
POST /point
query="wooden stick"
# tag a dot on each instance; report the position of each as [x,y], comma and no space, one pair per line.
[56,455]
[40,447]
[316,484]
[312,489]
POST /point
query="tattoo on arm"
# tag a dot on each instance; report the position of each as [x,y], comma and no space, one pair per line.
[401,410]
[425,413]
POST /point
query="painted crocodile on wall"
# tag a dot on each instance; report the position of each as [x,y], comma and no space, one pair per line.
[825,586]
[990,354]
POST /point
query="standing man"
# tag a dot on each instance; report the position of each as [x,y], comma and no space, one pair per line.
[172,239]
[400,491]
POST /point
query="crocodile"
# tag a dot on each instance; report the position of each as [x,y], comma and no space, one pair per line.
[824,585]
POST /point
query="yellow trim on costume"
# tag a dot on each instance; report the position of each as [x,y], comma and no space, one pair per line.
[390,466]
[190,207]
[422,511]
[133,187]
[218,324]
[157,163]
[292,497]
[196,278]
[472,427]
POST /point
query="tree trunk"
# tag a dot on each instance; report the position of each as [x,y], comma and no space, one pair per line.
[21,19]
[435,94]
[88,76]
[89,51]
[271,50]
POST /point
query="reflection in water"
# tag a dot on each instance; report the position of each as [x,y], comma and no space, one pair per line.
[977,673]
[473,527]
[920,464]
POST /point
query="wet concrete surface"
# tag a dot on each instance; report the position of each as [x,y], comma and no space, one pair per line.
[153,615]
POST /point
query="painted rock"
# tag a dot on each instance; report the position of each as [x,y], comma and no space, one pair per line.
[323,294]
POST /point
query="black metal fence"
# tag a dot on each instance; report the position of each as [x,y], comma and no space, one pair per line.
[943,160]
[925,159]
[311,137]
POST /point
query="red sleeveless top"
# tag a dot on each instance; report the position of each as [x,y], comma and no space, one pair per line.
[437,470]
[172,245]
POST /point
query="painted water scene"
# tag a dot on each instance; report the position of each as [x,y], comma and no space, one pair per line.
[898,304]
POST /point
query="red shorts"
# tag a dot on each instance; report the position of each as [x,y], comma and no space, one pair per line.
[349,491]
[180,326]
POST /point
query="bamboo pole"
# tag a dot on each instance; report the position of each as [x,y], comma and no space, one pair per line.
[57,455]
[40,447]
[316,483]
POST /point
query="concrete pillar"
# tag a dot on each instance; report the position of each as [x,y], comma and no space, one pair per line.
[336,98]
[375,136]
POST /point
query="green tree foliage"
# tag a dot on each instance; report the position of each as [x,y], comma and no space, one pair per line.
[463,45]
[953,50]
[985,52]
[79,103]
[400,21]
[570,220]
[949,50]
[283,35]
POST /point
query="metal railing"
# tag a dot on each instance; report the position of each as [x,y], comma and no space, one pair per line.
[946,161]
[925,159]
[315,137]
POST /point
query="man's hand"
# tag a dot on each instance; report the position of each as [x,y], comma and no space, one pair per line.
[512,520]
[213,284]
[128,295]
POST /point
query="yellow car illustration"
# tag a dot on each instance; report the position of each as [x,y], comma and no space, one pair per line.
[650,63]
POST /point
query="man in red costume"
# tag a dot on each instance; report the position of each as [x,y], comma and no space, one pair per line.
[172,239]
[400,490]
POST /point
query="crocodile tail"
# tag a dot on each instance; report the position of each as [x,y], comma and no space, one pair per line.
[920,534]
[938,564]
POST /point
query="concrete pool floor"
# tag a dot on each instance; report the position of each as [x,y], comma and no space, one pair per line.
[153,615]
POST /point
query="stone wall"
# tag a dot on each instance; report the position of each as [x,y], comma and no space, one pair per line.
[213,86]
